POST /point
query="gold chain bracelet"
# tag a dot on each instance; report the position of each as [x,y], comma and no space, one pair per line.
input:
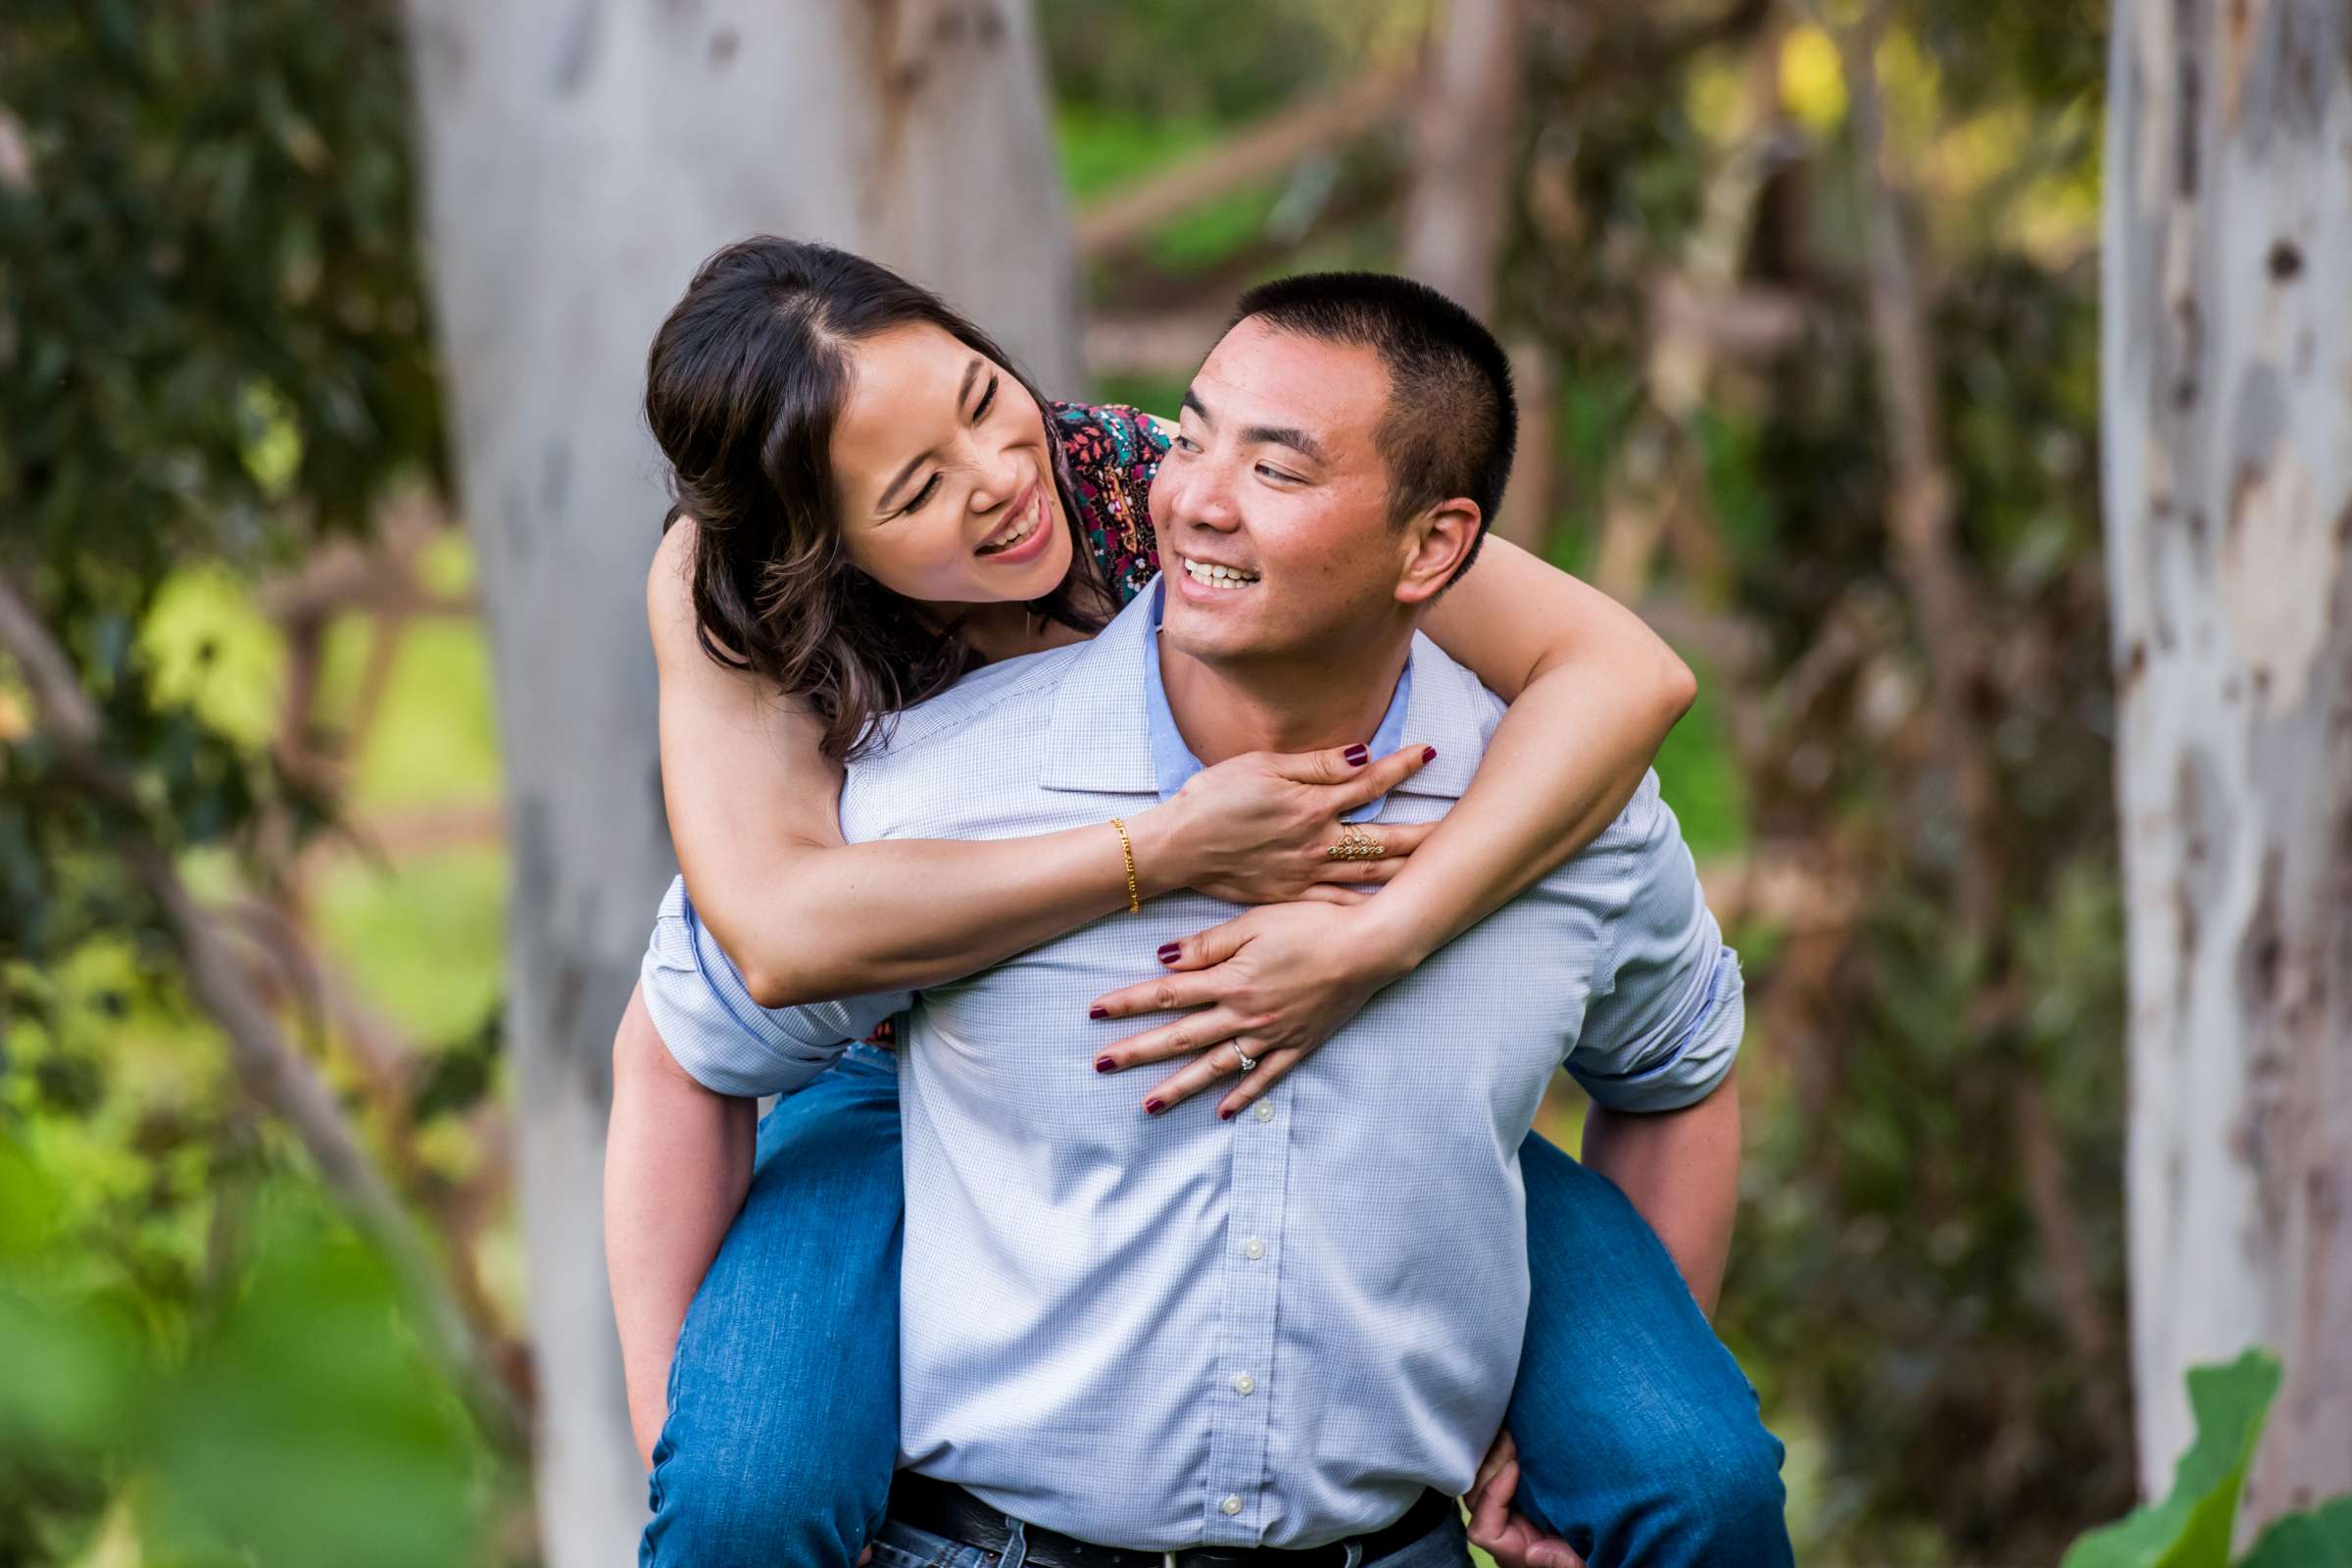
[1127,848]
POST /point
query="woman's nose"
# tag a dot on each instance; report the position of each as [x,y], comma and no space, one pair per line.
[997,478]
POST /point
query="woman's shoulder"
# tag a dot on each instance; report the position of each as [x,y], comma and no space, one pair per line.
[1113,452]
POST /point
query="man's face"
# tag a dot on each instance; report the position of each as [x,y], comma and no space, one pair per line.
[1272,504]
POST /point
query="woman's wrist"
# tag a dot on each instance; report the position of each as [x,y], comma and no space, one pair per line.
[1395,937]
[1165,856]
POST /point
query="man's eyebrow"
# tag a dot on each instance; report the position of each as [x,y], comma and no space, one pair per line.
[971,374]
[1283,435]
[1280,435]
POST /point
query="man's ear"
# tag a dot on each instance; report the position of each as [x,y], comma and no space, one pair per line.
[1435,545]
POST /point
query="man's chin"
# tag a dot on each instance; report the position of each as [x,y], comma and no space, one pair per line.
[1208,636]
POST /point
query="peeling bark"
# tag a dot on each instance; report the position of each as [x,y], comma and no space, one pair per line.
[581,157]
[2227,391]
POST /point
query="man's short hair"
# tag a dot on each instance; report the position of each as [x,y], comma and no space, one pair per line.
[1451,420]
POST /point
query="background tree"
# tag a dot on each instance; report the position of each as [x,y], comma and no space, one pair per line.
[2227,383]
[581,161]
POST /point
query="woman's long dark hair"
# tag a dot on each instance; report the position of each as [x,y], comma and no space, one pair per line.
[743,388]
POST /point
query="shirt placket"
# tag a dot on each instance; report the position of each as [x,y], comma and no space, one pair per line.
[1242,1400]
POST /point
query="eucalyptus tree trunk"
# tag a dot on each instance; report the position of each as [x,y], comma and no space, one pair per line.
[2227,386]
[581,157]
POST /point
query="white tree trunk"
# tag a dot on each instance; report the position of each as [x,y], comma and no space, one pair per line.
[581,157]
[2227,385]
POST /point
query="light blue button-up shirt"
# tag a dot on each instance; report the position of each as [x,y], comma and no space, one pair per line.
[1171,1332]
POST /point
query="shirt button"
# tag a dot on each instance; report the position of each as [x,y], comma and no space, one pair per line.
[1253,1249]
[1232,1502]
[1264,1112]
[1245,1384]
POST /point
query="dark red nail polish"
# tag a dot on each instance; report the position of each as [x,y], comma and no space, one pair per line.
[1224,1116]
[1155,1106]
[1098,1012]
[1357,755]
[1104,1064]
[1169,951]
[1429,753]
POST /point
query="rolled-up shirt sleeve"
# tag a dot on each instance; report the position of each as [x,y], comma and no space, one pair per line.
[724,1040]
[1668,1008]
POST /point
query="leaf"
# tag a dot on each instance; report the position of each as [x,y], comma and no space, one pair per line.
[2191,1528]
[2319,1538]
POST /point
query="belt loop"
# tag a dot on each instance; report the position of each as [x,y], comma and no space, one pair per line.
[1016,1549]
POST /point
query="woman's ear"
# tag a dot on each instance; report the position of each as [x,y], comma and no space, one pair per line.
[1435,544]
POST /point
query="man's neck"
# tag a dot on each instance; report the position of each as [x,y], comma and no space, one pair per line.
[1337,698]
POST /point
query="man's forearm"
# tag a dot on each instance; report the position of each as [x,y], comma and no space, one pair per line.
[1681,1170]
[678,1163]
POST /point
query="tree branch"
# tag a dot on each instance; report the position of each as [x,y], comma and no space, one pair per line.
[1263,149]
[1920,507]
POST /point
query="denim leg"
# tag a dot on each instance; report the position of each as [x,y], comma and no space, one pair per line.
[1639,1439]
[783,1424]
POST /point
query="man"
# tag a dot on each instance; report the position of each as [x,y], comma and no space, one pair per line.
[1125,1336]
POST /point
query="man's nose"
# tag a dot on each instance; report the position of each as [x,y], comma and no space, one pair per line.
[1203,497]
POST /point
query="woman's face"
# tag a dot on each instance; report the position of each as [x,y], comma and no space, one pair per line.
[946,484]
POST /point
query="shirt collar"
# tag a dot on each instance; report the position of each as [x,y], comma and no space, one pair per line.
[1113,732]
[1172,761]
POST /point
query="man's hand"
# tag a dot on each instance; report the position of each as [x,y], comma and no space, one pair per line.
[1502,1531]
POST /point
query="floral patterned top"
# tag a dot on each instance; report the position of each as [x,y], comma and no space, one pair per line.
[1112,452]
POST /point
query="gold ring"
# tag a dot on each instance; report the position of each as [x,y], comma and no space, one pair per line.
[1356,844]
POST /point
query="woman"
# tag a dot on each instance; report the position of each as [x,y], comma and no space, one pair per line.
[879,502]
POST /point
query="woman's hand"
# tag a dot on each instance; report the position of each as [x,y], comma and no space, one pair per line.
[1276,981]
[1502,1531]
[1254,828]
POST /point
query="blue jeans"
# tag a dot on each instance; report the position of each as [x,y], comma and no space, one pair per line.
[1640,1441]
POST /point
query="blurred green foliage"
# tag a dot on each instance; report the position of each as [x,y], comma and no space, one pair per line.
[212,348]
[277,1414]
[212,354]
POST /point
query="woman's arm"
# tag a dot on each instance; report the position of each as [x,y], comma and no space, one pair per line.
[1593,692]
[753,814]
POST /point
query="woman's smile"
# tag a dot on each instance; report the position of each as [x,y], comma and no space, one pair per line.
[1018,539]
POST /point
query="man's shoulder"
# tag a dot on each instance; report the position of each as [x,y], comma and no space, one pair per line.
[1641,849]
[987,715]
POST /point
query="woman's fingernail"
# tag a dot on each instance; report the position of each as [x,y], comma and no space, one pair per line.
[1098,1012]
[1224,1116]
[1357,755]
[1155,1106]
[1169,951]
[1104,1064]
[1429,753]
